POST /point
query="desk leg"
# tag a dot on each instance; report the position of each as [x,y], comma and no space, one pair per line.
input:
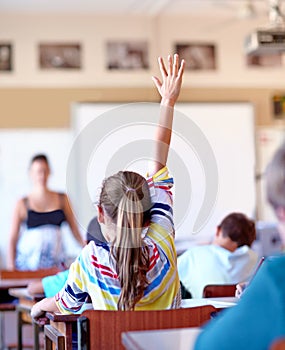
[2,330]
[23,317]
[68,335]
[48,343]
[19,329]
[36,331]
[83,332]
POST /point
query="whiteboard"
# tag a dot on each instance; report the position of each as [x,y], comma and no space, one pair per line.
[17,147]
[212,158]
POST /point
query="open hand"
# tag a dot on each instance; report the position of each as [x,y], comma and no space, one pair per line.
[169,87]
[37,312]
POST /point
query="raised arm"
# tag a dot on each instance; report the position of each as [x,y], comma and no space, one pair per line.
[169,88]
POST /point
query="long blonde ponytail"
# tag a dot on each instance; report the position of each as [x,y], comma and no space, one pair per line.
[125,198]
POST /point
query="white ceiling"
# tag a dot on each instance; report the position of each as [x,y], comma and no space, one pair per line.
[119,7]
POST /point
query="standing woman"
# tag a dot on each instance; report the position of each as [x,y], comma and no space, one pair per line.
[137,268]
[42,212]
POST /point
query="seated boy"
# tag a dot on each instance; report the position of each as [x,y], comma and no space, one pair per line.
[228,260]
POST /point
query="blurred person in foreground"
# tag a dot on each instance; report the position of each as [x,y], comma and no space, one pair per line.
[258,319]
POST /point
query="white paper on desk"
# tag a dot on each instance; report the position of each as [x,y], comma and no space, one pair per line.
[167,339]
[221,304]
[216,302]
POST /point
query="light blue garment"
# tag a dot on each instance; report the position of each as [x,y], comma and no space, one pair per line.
[259,317]
[40,248]
[53,284]
[212,264]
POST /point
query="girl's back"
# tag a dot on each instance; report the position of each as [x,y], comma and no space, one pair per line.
[96,266]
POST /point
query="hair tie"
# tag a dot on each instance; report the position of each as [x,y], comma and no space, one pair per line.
[129,189]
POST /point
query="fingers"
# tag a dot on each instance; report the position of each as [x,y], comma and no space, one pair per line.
[42,321]
[171,78]
[175,64]
[237,292]
[240,287]
[157,82]
[36,312]
[170,63]
[162,68]
[181,69]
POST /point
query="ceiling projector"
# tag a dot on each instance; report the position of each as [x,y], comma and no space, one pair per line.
[265,41]
[269,40]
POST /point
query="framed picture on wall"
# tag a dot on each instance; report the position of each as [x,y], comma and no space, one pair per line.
[5,57]
[60,56]
[127,55]
[198,56]
[264,60]
[278,103]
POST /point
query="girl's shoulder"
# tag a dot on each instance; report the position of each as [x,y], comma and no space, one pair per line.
[98,250]
[21,207]
[59,199]
[97,256]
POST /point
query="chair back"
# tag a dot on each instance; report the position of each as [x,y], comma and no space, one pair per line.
[102,329]
[219,290]
[28,274]
[278,344]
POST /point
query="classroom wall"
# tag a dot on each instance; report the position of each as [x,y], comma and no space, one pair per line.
[44,97]
[161,33]
[50,107]
[32,98]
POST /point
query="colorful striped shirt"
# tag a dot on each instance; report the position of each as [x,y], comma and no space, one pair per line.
[94,272]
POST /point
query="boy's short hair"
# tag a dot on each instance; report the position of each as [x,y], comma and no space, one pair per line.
[239,228]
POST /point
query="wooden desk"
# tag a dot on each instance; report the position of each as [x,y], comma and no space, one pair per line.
[5,285]
[13,279]
[61,327]
[23,309]
[168,339]
[27,274]
[59,331]
[7,302]
[24,296]
[12,283]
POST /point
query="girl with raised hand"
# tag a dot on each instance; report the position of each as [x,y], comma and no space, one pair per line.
[136,269]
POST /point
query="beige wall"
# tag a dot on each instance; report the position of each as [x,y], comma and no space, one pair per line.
[26,32]
[50,107]
[32,98]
